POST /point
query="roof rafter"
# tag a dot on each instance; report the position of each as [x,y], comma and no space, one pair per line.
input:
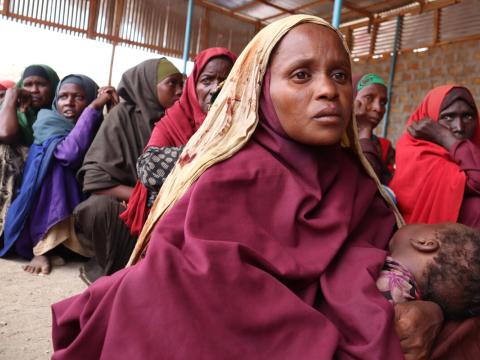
[299,8]
[245,6]
[356,9]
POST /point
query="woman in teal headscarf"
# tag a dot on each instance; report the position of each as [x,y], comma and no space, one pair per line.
[18,112]
[39,218]
[370,100]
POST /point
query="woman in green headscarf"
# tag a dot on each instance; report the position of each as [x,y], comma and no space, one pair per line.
[18,112]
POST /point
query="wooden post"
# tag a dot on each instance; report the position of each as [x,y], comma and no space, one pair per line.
[6,8]
[92,19]
[436,26]
[112,58]
[373,39]
[349,38]
[117,22]
[205,30]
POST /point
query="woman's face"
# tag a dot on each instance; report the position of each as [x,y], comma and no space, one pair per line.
[460,119]
[40,90]
[373,99]
[311,86]
[169,90]
[212,75]
[71,101]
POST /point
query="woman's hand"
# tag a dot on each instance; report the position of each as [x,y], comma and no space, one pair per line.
[417,324]
[429,130]
[107,95]
[20,98]
[364,125]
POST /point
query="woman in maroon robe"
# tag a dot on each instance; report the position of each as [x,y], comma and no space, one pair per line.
[272,229]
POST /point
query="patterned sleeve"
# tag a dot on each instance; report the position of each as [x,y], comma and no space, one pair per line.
[154,165]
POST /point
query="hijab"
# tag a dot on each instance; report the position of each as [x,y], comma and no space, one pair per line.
[50,123]
[6,84]
[27,118]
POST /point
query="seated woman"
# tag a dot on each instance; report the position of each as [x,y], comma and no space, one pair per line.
[438,160]
[271,230]
[211,68]
[109,171]
[370,100]
[39,219]
[18,112]
[437,180]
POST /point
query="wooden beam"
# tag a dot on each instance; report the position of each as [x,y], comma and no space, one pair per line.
[401,11]
[436,26]
[6,7]
[28,19]
[118,17]
[227,12]
[349,38]
[422,4]
[245,6]
[299,8]
[373,39]
[356,9]
[92,19]
[205,30]
[275,6]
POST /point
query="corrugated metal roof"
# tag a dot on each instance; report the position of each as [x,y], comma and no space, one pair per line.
[159,25]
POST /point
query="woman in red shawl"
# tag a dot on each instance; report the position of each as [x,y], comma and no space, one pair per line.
[272,227]
[438,160]
[180,122]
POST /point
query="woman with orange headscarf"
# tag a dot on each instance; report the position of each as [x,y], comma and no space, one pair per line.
[438,160]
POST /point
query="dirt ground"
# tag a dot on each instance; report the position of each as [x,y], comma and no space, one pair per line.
[25,315]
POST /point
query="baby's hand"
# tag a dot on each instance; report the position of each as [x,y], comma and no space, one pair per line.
[417,324]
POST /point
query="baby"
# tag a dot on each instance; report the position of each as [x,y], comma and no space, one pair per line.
[439,263]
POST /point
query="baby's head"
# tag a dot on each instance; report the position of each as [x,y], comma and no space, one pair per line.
[445,261]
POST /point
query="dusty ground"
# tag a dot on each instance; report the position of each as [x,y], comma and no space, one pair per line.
[25,317]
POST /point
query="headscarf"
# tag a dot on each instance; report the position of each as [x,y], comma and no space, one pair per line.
[50,122]
[428,184]
[112,157]
[165,69]
[26,119]
[174,129]
[6,84]
[138,87]
[275,250]
[361,82]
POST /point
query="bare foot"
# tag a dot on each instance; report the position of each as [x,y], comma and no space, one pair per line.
[38,265]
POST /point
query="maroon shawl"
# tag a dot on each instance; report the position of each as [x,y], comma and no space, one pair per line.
[271,254]
[174,129]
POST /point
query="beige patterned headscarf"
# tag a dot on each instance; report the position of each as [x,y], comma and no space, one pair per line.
[231,122]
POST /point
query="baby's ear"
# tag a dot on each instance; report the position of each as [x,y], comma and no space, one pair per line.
[425,244]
